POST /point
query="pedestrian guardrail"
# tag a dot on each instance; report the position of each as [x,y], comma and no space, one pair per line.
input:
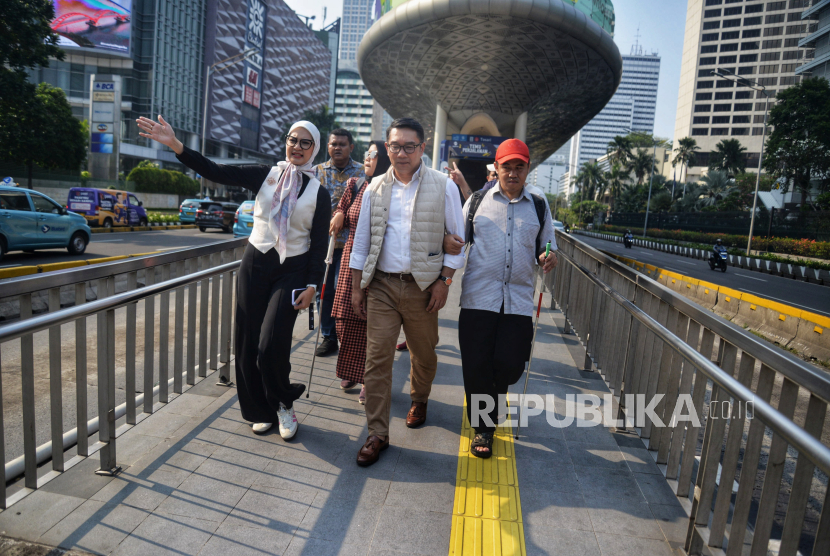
[750,479]
[201,281]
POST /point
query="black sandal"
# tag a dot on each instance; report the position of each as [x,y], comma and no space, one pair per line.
[482,440]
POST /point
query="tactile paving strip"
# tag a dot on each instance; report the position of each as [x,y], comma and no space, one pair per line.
[487,512]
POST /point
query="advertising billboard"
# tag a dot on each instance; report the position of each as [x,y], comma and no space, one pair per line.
[255,26]
[103,24]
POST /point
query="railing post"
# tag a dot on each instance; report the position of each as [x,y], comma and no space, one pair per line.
[132,284]
[81,373]
[106,382]
[225,338]
[203,319]
[55,386]
[149,338]
[215,260]
[27,387]
[190,365]
[164,338]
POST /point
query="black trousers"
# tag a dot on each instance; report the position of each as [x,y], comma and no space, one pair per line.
[264,325]
[494,350]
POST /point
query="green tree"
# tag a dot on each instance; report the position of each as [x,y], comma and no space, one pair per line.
[690,202]
[684,154]
[615,179]
[323,118]
[641,164]
[715,186]
[588,209]
[45,133]
[729,157]
[798,147]
[661,201]
[591,182]
[619,150]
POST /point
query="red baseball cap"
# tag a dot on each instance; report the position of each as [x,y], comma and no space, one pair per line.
[512,149]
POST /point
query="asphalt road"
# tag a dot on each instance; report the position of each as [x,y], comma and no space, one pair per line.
[802,295]
[126,243]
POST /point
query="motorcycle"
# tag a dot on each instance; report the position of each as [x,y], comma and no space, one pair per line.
[719,263]
[628,242]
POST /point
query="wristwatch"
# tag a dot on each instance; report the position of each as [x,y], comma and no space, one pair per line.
[447,281]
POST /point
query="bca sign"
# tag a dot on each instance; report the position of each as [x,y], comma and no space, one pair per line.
[101,86]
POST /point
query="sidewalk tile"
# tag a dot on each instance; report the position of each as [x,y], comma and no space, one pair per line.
[162,535]
[620,545]
[561,542]
[413,531]
[37,513]
[95,527]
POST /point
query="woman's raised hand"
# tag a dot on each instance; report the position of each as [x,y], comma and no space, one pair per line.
[161,132]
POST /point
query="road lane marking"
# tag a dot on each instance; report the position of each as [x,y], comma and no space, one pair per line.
[785,301]
[686,262]
[750,277]
[9,265]
[106,240]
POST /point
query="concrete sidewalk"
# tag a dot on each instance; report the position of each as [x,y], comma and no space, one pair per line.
[196,480]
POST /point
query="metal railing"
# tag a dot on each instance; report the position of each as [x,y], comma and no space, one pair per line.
[646,340]
[201,281]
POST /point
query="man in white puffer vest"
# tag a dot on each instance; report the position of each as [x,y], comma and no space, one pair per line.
[398,255]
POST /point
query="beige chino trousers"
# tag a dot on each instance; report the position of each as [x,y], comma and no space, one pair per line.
[391,303]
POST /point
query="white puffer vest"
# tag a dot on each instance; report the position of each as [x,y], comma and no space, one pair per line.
[427,225]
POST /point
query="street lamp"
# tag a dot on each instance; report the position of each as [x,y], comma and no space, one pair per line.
[757,87]
[307,18]
[651,177]
[218,66]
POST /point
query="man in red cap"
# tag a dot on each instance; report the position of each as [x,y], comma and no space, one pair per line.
[508,228]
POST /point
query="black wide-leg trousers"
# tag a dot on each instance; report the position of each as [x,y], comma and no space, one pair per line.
[264,326]
[494,350]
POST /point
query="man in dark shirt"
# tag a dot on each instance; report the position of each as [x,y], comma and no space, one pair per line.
[333,175]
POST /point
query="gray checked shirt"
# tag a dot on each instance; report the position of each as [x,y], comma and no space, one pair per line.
[501,263]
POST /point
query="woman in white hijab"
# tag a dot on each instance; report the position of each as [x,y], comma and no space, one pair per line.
[286,252]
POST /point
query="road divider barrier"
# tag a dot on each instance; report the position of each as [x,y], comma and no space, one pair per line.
[803,331]
[19,271]
[150,228]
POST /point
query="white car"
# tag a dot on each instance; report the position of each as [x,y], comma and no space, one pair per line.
[557,225]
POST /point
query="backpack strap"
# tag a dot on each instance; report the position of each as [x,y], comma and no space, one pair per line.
[541,208]
[475,201]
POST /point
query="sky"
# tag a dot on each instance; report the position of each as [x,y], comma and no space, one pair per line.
[661,23]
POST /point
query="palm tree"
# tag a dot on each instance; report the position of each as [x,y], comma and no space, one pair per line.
[619,150]
[715,186]
[685,154]
[641,164]
[729,157]
[615,179]
[591,181]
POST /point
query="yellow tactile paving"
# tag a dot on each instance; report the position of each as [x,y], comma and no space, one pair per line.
[487,512]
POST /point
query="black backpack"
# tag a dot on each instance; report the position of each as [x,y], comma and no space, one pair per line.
[539,203]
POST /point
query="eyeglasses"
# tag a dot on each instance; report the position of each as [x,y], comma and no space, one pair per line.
[305,144]
[370,155]
[394,148]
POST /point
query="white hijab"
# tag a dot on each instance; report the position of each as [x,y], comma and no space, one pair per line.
[288,189]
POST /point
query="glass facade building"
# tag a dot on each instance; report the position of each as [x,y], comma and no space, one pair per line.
[357,18]
[353,105]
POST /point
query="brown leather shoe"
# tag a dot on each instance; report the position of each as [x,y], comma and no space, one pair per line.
[370,452]
[417,415]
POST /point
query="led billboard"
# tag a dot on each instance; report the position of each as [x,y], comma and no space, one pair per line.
[103,24]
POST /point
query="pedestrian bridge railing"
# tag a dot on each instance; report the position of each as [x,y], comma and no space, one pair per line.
[752,472]
[193,290]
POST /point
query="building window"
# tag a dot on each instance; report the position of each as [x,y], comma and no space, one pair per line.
[728,60]
[770,56]
[774,18]
[727,23]
[774,6]
[773,31]
[751,33]
[758,118]
[766,70]
[743,107]
[730,36]
[793,54]
[723,107]
[705,84]
[757,131]
[699,120]
[733,11]
[791,43]
[797,4]
[740,131]
[708,49]
[720,131]
[793,16]
[743,94]
[709,37]
[754,45]
[723,84]
[788,68]
[707,25]
[795,30]
[769,45]
[790,80]
[703,107]
[727,95]
[720,119]
[754,9]
[752,20]
[746,70]
[711,13]
[731,47]
[714,2]
[700,131]
[708,61]
[770,92]
[740,119]
[703,96]
[748,58]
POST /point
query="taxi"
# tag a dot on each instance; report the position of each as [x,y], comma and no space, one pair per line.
[243,222]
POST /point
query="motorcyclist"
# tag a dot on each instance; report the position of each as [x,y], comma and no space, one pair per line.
[628,238]
[717,249]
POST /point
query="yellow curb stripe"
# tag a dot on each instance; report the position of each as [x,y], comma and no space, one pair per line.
[487,511]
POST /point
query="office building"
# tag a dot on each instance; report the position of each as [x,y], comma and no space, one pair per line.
[353,105]
[632,108]
[818,40]
[358,16]
[161,50]
[755,40]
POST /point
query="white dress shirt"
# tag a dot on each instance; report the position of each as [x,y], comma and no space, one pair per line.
[395,255]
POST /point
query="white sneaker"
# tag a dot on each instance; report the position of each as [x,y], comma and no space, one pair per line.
[260,428]
[288,422]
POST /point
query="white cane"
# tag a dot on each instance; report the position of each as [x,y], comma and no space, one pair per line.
[532,345]
[329,259]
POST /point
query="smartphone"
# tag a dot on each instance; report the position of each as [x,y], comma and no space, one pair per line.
[295,293]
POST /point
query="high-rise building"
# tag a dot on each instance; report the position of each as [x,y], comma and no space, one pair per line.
[358,16]
[632,108]
[353,105]
[755,40]
[819,40]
